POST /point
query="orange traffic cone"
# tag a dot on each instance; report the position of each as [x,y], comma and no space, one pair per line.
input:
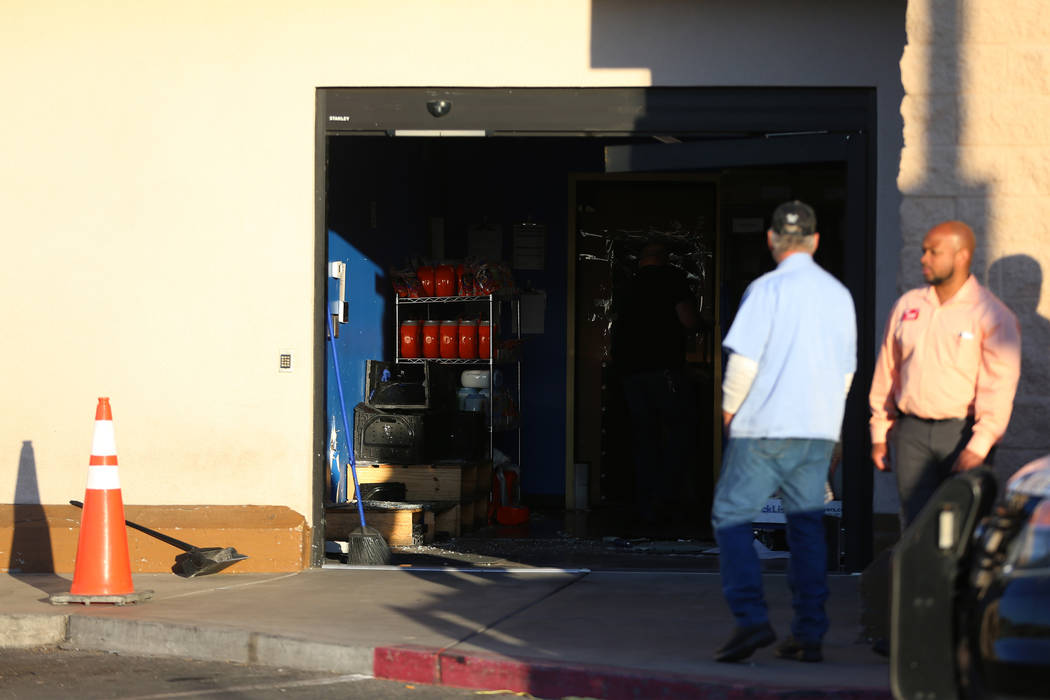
[103,567]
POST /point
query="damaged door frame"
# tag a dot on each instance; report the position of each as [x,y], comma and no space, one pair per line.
[655,112]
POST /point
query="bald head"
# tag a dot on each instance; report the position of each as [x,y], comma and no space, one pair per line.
[947,251]
[961,234]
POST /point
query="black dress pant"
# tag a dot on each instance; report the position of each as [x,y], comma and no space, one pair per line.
[924,452]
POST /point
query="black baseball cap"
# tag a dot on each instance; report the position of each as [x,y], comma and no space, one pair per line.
[794,219]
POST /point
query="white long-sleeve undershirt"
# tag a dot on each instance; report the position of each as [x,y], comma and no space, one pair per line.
[740,375]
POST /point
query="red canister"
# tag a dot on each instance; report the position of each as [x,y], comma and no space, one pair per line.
[468,339]
[410,339]
[445,281]
[426,279]
[484,340]
[465,281]
[461,270]
[431,339]
[449,339]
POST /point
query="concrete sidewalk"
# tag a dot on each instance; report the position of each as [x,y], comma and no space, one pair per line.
[548,632]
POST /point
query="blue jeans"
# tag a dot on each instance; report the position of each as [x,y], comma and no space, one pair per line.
[752,470]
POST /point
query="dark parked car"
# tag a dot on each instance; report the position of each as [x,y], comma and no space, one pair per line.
[970,592]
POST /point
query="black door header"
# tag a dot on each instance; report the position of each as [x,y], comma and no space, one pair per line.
[654,110]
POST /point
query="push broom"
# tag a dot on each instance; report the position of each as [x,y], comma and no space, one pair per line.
[364,544]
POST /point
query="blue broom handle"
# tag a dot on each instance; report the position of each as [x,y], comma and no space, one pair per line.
[346,424]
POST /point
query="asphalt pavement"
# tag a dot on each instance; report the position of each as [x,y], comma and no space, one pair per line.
[52,673]
[549,632]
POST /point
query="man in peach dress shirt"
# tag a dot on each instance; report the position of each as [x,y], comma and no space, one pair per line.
[947,371]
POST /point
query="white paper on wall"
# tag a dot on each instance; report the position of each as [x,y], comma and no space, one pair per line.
[485,242]
[530,246]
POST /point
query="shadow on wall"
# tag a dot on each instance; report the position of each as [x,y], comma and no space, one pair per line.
[947,191]
[1018,281]
[31,539]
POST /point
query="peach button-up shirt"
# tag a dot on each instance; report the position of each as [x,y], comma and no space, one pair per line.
[952,360]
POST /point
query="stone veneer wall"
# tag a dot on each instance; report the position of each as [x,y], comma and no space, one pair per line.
[976,110]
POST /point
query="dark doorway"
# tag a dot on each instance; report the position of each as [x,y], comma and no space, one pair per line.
[614,218]
[534,155]
[831,171]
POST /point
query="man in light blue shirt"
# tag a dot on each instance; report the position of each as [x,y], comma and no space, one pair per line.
[793,352]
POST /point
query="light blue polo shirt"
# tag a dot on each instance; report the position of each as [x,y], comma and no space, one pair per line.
[798,323]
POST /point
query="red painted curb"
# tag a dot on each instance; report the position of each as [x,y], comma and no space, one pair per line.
[407,663]
[544,678]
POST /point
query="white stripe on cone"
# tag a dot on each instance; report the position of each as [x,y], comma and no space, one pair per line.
[103,477]
[104,443]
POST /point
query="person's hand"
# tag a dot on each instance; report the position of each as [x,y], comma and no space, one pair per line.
[836,459]
[967,460]
[880,457]
[727,418]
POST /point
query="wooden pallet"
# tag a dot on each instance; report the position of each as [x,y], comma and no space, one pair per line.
[448,520]
[474,514]
[400,524]
[445,499]
[428,482]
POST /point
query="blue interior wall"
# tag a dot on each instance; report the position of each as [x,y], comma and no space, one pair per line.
[370,224]
[382,195]
[359,339]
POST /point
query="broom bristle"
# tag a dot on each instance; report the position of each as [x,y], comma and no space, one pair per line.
[366,546]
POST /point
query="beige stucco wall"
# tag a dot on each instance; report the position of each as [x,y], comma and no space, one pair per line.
[157,197]
[977,147]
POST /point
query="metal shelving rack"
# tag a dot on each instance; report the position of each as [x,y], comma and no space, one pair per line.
[494,302]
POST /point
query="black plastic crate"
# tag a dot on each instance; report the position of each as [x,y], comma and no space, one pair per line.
[397,386]
[386,437]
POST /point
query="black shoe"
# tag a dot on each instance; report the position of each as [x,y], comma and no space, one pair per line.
[796,650]
[745,641]
[881,646]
